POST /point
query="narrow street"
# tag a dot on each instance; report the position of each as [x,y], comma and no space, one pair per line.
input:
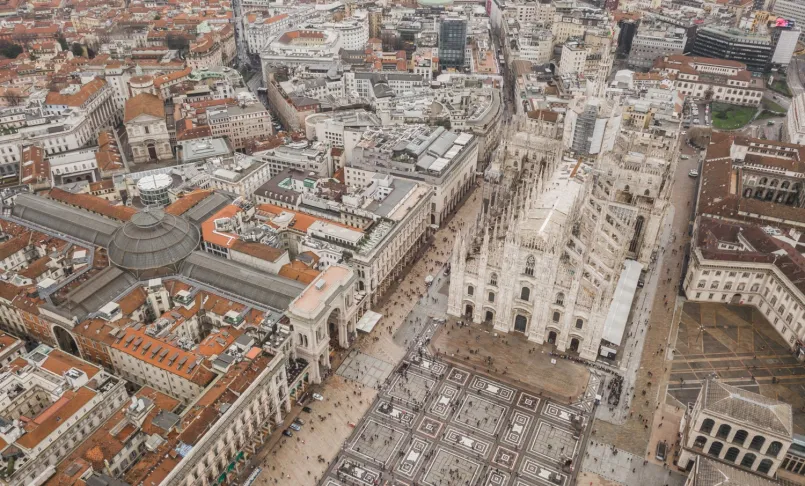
[651,380]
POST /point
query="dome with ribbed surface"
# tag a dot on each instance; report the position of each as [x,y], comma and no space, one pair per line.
[153,239]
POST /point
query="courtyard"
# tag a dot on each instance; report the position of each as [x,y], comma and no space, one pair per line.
[740,346]
[435,423]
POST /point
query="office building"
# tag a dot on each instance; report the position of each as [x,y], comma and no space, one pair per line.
[452,42]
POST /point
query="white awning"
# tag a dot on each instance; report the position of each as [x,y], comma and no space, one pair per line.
[618,314]
[369,321]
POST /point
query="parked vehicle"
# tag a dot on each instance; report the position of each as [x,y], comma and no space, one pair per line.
[317,397]
[287,433]
[299,421]
[661,450]
[693,173]
[295,426]
[307,409]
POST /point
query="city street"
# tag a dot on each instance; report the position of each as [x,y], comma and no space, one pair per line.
[632,432]
[406,311]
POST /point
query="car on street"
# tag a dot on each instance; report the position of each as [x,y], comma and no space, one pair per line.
[318,397]
[287,433]
[299,421]
[693,173]
[295,426]
[684,157]
[770,122]
[661,450]
[307,409]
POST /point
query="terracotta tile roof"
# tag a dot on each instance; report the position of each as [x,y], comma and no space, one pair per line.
[36,433]
[302,220]
[37,268]
[546,115]
[298,271]
[208,232]
[79,98]
[258,250]
[12,246]
[187,202]
[108,154]
[8,291]
[162,359]
[33,166]
[132,301]
[59,362]
[93,204]
[144,104]
[170,77]
[215,344]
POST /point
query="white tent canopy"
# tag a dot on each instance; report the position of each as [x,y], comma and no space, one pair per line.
[618,314]
[368,321]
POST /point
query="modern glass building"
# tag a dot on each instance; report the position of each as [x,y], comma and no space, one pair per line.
[752,49]
[452,41]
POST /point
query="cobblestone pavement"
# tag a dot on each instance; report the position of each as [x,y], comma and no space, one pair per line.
[437,424]
[632,433]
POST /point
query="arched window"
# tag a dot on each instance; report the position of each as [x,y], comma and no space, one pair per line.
[699,443]
[491,297]
[707,426]
[765,466]
[748,460]
[525,293]
[470,290]
[757,442]
[579,323]
[530,263]
[555,317]
[763,180]
[723,431]
[732,454]
[493,279]
[755,288]
[784,185]
[740,437]
[774,449]
[715,448]
[560,299]
[774,183]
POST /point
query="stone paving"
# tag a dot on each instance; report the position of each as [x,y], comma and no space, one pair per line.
[435,424]
[365,369]
[651,366]
[627,469]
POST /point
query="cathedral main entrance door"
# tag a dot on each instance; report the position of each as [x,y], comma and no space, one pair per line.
[520,323]
[574,345]
[551,337]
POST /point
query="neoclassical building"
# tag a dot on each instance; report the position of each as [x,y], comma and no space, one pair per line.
[549,251]
[738,427]
[146,128]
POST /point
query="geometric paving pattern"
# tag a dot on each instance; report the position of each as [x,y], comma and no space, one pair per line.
[440,425]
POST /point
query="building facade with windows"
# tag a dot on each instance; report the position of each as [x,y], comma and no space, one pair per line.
[738,427]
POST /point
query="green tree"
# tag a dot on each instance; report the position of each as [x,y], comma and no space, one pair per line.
[77,49]
[177,42]
[9,50]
